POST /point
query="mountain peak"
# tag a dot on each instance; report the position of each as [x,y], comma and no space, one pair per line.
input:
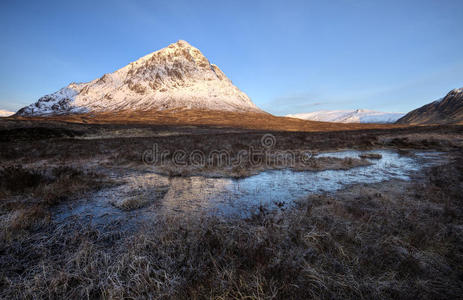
[456,91]
[181,44]
[177,76]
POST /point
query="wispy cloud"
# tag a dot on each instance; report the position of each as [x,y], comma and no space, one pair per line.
[302,102]
[399,96]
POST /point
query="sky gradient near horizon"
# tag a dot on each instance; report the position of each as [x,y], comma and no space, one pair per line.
[288,56]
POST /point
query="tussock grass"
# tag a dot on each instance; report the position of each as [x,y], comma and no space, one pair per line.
[133,202]
[246,169]
[371,156]
[48,187]
[401,240]
[26,195]
[16,179]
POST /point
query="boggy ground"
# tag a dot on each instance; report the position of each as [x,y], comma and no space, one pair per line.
[398,239]
[54,143]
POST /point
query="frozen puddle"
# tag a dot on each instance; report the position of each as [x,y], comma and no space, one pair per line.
[230,197]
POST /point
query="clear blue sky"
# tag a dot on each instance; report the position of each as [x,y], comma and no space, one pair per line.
[288,56]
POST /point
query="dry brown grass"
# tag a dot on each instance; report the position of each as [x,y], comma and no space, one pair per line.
[46,186]
[393,240]
[246,169]
[26,195]
[389,241]
[371,156]
[29,141]
[260,121]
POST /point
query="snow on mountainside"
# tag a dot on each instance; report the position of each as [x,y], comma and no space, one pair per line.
[349,116]
[178,76]
[447,110]
[5,113]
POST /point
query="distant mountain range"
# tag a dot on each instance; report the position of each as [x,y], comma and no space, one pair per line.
[349,116]
[176,77]
[448,110]
[5,113]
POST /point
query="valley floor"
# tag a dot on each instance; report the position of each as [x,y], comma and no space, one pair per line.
[392,239]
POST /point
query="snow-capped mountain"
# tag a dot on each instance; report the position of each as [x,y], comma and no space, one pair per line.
[178,76]
[349,116]
[5,113]
[446,110]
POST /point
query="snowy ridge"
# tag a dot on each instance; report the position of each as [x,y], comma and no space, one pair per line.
[349,116]
[447,110]
[178,76]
